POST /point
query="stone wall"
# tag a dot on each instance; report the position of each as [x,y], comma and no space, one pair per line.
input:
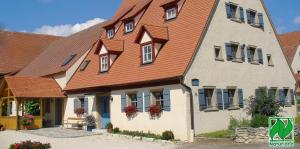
[256,135]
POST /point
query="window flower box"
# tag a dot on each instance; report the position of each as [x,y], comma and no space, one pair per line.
[155,110]
[130,111]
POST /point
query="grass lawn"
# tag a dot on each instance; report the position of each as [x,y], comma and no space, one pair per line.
[218,134]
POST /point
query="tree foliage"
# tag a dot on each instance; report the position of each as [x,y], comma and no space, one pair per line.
[32,107]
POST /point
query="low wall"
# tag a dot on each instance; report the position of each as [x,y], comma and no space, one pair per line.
[256,135]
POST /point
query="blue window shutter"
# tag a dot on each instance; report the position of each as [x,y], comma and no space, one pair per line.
[123,102]
[202,101]
[241,98]
[242,14]
[228,10]
[220,99]
[260,56]
[86,105]
[261,20]
[282,97]
[167,102]
[75,104]
[248,16]
[249,55]
[243,52]
[147,101]
[140,102]
[228,51]
[226,98]
[292,96]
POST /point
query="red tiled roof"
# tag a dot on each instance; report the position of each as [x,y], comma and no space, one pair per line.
[34,87]
[155,32]
[290,42]
[50,61]
[166,2]
[119,15]
[112,46]
[173,58]
[18,49]
[138,8]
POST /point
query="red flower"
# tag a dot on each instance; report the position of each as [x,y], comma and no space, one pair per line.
[16,146]
[130,110]
[155,110]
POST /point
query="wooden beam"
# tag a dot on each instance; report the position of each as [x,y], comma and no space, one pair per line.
[17,113]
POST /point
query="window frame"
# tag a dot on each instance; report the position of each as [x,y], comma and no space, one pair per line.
[270,60]
[254,56]
[169,9]
[219,56]
[156,100]
[130,101]
[108,63]
[68,60]
[110,33]
[213,97]
[149,44]
[84,65]
[126,25]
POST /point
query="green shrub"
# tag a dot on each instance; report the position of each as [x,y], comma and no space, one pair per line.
[116,130]
[109,126]
[168,135]
[235,123]
[219,134]
[297,120]
[259,121]
[140,134]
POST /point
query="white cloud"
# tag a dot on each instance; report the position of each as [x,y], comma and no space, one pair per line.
[67,29]
[297,20]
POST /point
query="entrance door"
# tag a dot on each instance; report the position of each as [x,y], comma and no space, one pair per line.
[58,111]
[104,111]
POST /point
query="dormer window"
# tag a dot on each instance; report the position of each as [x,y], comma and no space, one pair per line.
[110,33]
[171,13]
[104,60]
[129,26]
[147,52]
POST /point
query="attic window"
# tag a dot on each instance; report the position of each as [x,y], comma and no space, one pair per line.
[147,51]
[129,26]
[171,13]
[110,33]
[68,60]
[84,65]
[104,63]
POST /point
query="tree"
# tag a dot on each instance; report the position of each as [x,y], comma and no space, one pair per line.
[32,107]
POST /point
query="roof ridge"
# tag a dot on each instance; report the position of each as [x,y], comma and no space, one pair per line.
[30,33]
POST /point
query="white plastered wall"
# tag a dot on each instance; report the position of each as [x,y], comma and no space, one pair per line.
[177,120]
[246,76]
[296,61]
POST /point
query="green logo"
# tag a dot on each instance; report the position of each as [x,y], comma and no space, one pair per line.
[281,132]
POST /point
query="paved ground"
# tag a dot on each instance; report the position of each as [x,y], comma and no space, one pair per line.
[60,133]
[231,146]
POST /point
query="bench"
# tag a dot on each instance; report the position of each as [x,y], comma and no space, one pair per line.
[73,121]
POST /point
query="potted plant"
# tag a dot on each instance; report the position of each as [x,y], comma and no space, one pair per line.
[130,110]
[155,110]
[79,112]
[90,122]
[109,127]
[27,121]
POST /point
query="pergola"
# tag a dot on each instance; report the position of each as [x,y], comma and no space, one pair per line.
[15,91]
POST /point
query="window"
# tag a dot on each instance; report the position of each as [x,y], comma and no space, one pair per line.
[253,55]
[104,63]
[47,107]
[147,54]
[272,93]
[171,13]
[235,52]
[10,107]
[110,33]
[69,59]
[255,19]
[158,98]
[208,97]
[132,99]
[231,96]
[129,27]
[270,61]
[84,65]
[234,12]
[252,17]
[218,53]
[81,103]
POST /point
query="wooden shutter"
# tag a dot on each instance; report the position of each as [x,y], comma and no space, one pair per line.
[248,16]
[220,99]
[241,98]
[202,101]
[228,51]
[75,104]
[260,56]
[242,14]
[249,55]
[226,98]
[261,20]
[167,102]
[123,102]
[228,10]
[147,101]
[86,105]
[139,102]
[282,97]
[292,97]
[243,52]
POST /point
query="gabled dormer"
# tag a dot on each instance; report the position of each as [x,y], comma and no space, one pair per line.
[172,8]
[108,51]
[151,39]
[133,17]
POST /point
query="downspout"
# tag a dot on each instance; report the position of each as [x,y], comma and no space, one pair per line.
[191,101]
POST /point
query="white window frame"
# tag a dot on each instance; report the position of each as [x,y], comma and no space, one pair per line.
[104,63]
[129,27]
[171,13]
[209,98]
[110,33]
[132,99]
[158,100]
[147,51]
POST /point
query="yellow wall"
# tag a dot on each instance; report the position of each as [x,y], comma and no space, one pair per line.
[9,122]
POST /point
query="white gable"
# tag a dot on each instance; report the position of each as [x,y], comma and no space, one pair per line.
[296,61]
[146,38]
[103,50]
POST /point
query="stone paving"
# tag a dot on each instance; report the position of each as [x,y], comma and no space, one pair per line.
[60,132]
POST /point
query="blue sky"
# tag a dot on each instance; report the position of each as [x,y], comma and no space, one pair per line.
[40,15]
